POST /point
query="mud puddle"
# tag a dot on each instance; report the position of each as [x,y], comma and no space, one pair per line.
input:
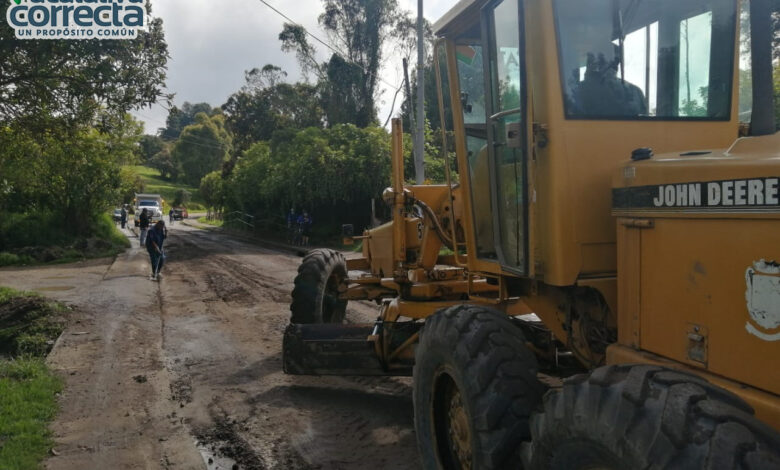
[222,447]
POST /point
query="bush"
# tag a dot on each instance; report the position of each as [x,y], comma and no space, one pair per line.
[11,259]
[332,173]
[182,197]
[40,237]
[32,229]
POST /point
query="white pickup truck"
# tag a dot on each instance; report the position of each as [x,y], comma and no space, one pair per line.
[153,203]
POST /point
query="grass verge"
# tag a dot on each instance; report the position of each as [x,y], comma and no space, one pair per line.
[29,403]
[155,184]
[213,222]
[28,327]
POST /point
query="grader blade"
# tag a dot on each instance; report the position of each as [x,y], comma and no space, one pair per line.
[332,349]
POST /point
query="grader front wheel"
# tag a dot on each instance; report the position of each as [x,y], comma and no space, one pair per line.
[315,297]
[475,386]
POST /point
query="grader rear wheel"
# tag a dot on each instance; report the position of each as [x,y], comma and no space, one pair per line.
[475,386]
[621,417]
[315,297]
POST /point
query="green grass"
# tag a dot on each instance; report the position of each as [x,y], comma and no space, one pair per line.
[27,388]
[155,184]
[214,222]
[31,239]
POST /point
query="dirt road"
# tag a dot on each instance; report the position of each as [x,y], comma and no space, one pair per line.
[187,373]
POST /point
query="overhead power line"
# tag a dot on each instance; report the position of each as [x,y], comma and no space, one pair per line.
[324,43]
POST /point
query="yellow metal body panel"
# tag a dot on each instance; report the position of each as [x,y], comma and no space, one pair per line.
[378,249]
[698,242]
[692,272]
[573,172]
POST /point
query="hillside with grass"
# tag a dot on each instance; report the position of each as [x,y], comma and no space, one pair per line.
[154,183]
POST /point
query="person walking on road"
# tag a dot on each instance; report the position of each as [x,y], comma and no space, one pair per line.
[170,216]
[304,222]
[154,245]
[143,224]
[123,216]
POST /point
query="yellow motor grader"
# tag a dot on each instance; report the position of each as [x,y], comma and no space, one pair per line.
[606,220]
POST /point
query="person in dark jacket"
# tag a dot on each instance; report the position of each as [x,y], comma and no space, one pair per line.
[143,224]
[123,216]
[154,245]
[305,222]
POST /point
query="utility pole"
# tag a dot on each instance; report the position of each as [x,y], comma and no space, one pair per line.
[419,141]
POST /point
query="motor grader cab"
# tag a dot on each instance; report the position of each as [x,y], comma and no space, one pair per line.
[601,216]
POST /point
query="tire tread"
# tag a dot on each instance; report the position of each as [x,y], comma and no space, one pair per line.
[655,418]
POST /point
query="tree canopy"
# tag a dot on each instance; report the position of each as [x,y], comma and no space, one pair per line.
[74,173]
[70,81]
[358,29]
[179,118]
[267,103]
[202,147]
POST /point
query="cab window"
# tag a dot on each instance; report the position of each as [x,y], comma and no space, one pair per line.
[659,59]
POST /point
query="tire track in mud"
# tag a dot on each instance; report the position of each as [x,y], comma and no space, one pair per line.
[234,396]
[249,279]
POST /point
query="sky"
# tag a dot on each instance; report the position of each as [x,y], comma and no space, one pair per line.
[212,43]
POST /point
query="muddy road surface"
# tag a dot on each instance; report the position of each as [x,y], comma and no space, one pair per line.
[187,372]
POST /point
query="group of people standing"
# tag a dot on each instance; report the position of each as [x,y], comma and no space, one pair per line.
[299,228]
[153,239]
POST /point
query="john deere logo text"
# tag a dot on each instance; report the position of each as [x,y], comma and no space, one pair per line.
[76,19]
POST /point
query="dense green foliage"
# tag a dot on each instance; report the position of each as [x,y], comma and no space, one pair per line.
[149,146]
[65,135]
[203,147]
[40,237]
[332,173]
[266,103]
[57,184]
[212,190]
[61,82]
[179,118]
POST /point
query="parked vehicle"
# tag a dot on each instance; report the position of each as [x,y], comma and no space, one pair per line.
[117,215]
[153,203]
[180,213]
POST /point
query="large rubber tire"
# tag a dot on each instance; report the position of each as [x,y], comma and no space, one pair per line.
[475,386]
[647,417]
[315,297]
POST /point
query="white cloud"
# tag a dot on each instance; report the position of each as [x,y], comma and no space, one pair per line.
[212,43]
